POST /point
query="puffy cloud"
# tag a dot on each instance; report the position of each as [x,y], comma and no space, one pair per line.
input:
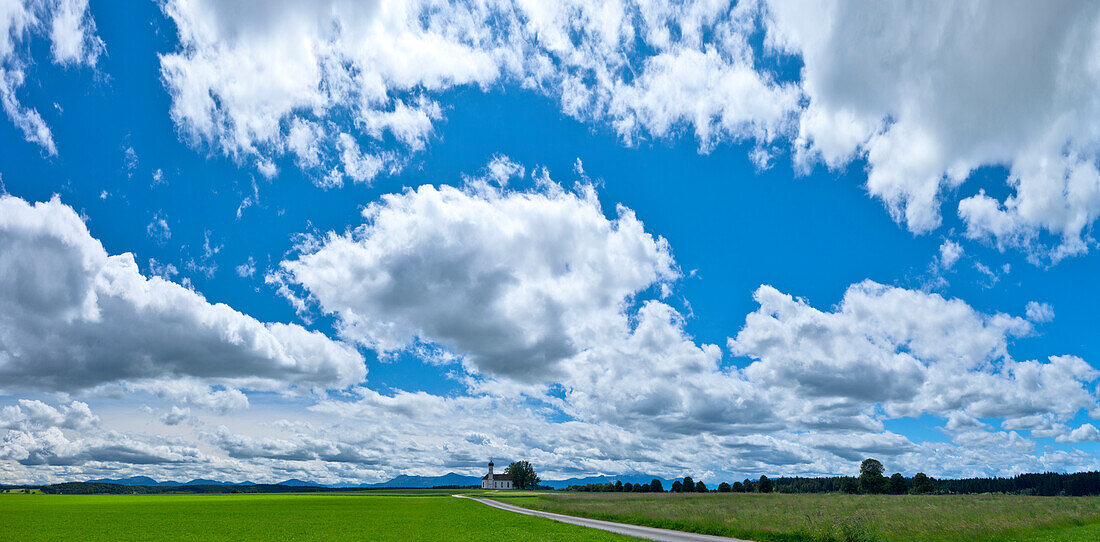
[71,31]
[911,351]
[1039,312]
[648,372]
[30,414]
[925,94]
[52,448]
[75,317]
[176,416]
[950,252]
[514,281]
[819,381]
[407,424]
[261,83]
[41,434]
[929,93]
[187,391]
[1085,433]
[299,448]
[528,288]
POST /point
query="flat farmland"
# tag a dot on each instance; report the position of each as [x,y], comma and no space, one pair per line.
[831,517]
[272,517]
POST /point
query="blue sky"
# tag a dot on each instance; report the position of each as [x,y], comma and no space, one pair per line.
[712,252]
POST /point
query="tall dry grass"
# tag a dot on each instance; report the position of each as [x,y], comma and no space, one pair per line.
[835,518]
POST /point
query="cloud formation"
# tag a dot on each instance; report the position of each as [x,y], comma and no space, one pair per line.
[515,282]
[814,394]
[554,319]
[75,317]
[73,42]
[924,95]
[275,81]
[927,94]
[36,436]
[911,352]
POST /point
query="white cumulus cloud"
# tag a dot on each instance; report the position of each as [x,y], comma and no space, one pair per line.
[75,317]
[928,93]
[910,351]
[1039,312]
[259,82]
[515,281]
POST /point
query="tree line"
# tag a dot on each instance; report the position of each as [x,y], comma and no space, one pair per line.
[687,485]
[872,479]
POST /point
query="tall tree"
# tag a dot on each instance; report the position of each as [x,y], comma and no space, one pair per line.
[677,487]
[765,485]
[897,484]
[523,475]
[738,487]
[688,484]
[656,486]
[724,487]
[922,484]
[871,479]
[700,487]
[749,486]
[849,485]
[619,486]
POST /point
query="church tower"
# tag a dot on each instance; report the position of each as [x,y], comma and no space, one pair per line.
[490,470]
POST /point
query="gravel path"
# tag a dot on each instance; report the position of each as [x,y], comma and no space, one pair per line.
[648,533]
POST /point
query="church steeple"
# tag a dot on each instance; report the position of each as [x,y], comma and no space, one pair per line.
[490,470]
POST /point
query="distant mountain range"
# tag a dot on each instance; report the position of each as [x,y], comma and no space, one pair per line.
[632,478]
[403,480]
[449,479]
[147,481]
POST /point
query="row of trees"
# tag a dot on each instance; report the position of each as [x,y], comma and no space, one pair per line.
[654,486]
[1047,483]
[687,485]
[763,485]
[872,479]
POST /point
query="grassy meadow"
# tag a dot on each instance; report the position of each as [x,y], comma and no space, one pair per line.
[833,517]
[408,516]
[435,515]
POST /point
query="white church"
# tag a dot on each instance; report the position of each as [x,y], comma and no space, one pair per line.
[496,481]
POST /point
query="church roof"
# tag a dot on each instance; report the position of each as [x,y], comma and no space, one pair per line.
[499,477]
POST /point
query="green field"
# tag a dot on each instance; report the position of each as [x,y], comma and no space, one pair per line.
[272,517]
[435,515]
[901,518]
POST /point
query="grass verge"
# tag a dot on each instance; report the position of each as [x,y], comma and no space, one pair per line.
[835,518]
